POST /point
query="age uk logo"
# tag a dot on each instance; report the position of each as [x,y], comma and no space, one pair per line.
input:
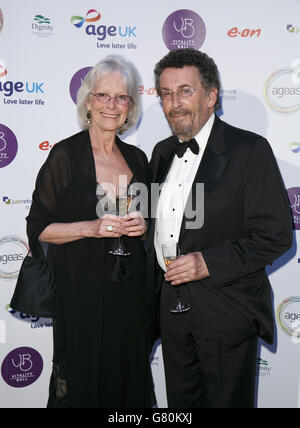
[102,31]
[3,71]
[78,21]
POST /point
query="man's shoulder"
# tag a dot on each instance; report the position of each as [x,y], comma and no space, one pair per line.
[242,135]
[165,145]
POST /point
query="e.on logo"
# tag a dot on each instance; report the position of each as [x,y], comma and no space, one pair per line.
[234,32]
[45,146]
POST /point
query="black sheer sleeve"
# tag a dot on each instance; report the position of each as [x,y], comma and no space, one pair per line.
[52,179]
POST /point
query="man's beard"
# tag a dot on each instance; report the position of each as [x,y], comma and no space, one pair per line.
[180,127]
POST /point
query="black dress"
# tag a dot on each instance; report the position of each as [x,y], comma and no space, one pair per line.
[101,345]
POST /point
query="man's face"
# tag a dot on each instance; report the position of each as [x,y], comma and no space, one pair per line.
[186,111]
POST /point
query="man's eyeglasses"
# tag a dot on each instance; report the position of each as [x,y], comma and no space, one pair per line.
[105,98]
[184,92]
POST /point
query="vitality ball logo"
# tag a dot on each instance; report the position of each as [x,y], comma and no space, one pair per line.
[8,146]
[184,29]
[76,82]
[294,198]
[22,367]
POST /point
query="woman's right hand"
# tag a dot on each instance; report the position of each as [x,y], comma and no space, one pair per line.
[98,228]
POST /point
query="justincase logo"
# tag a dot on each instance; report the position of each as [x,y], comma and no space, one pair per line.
[14,202]
[103,32]
[293,29]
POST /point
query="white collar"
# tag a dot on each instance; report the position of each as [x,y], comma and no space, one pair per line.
[203,134]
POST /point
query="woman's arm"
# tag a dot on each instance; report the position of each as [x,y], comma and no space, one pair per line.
[62,233]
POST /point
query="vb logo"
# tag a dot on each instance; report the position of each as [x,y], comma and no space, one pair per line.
[24,363]
[187,29]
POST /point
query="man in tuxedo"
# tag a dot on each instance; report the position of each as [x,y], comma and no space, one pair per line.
[210,348]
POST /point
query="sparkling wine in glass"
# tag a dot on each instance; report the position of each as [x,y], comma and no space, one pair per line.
[122,208]
[171,252]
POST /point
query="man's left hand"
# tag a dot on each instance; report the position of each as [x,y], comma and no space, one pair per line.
[134,224]
[190,267]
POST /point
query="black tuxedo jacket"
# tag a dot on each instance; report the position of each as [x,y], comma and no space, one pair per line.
[247,224]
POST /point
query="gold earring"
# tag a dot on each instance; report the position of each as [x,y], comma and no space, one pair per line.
[89,117]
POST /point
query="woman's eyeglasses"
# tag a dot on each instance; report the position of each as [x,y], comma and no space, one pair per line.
[105,98]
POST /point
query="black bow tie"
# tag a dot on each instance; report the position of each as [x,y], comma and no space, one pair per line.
[182,147]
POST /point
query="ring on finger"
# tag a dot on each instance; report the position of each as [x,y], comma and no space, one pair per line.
[109,228]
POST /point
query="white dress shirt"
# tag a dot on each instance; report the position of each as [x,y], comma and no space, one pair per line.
[175,192]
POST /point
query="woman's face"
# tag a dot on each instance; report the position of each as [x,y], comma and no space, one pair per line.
[108,116]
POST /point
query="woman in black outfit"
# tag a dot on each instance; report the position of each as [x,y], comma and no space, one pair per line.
[101,344]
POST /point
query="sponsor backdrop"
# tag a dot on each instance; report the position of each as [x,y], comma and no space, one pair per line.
[46,48]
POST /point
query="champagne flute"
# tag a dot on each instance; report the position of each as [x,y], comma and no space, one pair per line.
[122,208]
[171,252]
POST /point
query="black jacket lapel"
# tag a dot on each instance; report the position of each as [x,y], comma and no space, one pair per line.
[161,161]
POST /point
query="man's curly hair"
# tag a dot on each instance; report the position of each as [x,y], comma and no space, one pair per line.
[181,57]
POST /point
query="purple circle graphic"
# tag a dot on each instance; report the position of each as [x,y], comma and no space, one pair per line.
[76,82]
[184,29]
[8,146]
[22,367]
[294,197]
